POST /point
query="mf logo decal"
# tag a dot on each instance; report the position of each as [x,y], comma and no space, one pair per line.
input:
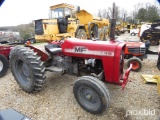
[83,50]
[80,49]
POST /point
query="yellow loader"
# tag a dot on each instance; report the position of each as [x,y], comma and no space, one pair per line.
[66,20]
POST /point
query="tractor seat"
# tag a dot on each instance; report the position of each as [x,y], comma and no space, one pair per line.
[53,49]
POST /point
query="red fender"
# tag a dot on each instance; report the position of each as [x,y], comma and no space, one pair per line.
[42,54]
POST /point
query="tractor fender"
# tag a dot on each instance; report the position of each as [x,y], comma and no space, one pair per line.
[44,56]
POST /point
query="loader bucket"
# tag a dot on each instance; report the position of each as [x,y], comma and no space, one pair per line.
[152,79]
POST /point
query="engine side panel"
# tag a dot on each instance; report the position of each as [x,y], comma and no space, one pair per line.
[107,51]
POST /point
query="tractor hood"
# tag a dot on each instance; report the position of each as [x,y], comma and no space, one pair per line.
[90,48]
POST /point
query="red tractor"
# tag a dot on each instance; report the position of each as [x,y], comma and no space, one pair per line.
[135,52]
[97,61]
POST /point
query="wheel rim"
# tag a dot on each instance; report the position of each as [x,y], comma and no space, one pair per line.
[89,98]
[135,65]
[1,66]
[153,42]
[23,71]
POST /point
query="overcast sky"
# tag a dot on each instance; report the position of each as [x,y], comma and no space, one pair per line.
[14,12]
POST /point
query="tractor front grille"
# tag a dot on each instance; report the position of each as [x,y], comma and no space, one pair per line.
[137,50]
[38,27]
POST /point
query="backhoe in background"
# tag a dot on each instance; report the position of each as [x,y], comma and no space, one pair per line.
[151,32]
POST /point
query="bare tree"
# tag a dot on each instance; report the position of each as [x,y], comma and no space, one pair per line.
[123,14]
[107,13]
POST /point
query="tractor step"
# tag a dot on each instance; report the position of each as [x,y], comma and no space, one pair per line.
[54,69]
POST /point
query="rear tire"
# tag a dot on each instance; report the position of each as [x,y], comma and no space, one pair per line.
[103,33]
[91,94]
[27,69]
[81,34]
[136,63]
[4,65]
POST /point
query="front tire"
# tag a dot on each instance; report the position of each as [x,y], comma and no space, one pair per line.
[91,94]
[27,69]
[4,65]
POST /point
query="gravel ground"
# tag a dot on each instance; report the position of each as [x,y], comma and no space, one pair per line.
[56,100]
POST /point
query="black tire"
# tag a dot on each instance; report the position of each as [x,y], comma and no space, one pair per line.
[32,41]
[13,51]
[153,42]
[137,63]
[133,34]
[118,33]
[142,39]
[27,69]
[97,89]
[4,65]
[103,33]
[81,34]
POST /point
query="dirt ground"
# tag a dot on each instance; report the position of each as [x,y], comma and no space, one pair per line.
[56,100]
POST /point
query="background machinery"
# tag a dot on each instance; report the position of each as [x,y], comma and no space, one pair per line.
[68,21]
[151,32]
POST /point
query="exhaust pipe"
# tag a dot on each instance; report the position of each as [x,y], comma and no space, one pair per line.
[113,23]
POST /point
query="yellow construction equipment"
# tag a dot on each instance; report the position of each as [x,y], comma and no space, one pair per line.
[136,23]
[121,27]
[66,20]
[152,79]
